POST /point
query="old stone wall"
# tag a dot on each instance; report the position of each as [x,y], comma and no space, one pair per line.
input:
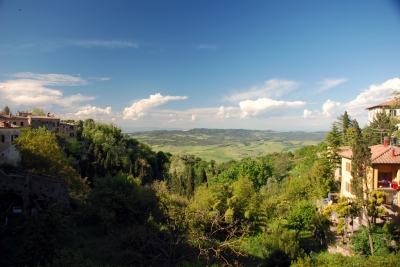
[31,187]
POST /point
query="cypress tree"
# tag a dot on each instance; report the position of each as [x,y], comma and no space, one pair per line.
[361,160]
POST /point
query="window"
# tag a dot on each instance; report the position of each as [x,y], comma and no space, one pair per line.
[2,138]
[22,123]
[71,134]
[348,187]
[384,179]
[13,137]
[348,166]
[393,112]
[15,123]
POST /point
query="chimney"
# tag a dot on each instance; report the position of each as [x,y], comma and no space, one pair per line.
[393,153]
[385,142]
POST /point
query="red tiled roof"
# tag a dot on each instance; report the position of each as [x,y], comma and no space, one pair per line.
[380,154]
[44,117]
[385,104]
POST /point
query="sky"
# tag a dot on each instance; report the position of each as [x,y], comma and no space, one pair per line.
[284,65]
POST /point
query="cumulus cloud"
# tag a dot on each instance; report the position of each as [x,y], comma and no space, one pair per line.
[110,44]
[263,105]
[223,113]
[91,111]
[31,89]
[329,83]
[330,107]
[308,114]
[375,94]
[270,88]
[141,107]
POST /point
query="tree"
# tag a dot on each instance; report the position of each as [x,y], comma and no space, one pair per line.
[42,232]
[6,110]
[383,125]
[361,161]
[334,141]
[40,153]
[343,122]
[301,216]
[38,111]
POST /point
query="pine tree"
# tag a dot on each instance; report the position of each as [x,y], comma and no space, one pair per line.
[343,122]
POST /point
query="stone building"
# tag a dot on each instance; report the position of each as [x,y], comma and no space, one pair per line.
[8,153]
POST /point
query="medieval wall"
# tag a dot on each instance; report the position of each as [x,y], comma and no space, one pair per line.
[31,187]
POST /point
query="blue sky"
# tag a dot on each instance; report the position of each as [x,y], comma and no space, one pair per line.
[269,65]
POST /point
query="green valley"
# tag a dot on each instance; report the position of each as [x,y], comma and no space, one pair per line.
[226,144]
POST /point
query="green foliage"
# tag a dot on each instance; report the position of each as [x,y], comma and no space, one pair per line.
[374,202]
[115,200]
[281,248]
[6,110]
[343,124]
[42,231]
[382,241]
[382,126]
[300,218]
[41,154]
[334,260]
[38,111]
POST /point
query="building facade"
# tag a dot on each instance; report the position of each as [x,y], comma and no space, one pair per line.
[389,107]
[8,153]
[383,174]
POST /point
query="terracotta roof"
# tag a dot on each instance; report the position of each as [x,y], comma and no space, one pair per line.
[380,154]
[4,124]
[45,117]
[385,104]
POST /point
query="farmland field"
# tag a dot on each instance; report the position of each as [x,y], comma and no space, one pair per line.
[224,145]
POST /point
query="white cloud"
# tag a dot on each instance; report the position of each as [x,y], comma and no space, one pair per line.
[308,114]
[375,94]
[330,107]
[91,111]
[31,90]
[270,88]
[194,117]
[263,105]
[51,79]
[141,107]
[223,112]
[329,83]
[104,43]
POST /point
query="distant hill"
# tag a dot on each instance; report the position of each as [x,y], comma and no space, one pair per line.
[203,136]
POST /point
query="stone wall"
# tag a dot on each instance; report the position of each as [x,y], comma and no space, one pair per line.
[31,187]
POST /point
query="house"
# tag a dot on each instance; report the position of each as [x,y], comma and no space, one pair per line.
[389,106]
[68,129]
[8,153]
[51,122]
[383,174]
[17,120]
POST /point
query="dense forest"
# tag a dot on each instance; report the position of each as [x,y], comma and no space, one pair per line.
[132,206]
